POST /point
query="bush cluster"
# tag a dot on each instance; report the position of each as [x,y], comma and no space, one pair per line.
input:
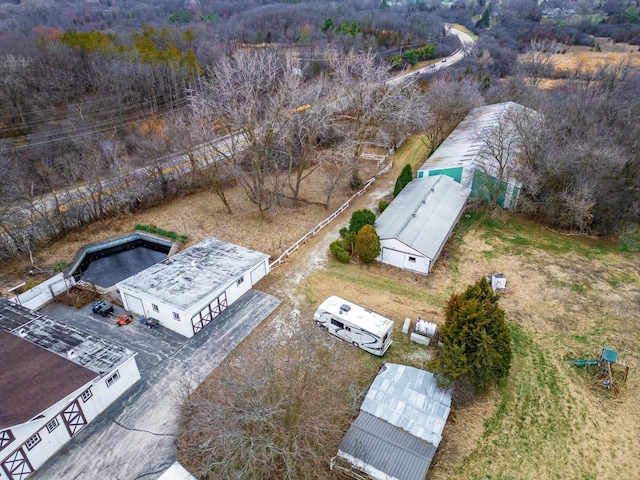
[163,233]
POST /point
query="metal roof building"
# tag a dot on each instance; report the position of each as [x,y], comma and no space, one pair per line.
[186,291]
[415,226]
[468,154]
[399,427]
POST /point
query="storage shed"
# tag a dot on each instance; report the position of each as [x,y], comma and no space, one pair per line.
[483,153]
[186,291]
[55,380]
[399,427]
[415,226]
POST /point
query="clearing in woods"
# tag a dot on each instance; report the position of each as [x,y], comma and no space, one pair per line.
[566,298]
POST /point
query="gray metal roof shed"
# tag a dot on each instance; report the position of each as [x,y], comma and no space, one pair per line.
[400,424]
[190,276]
[424,213]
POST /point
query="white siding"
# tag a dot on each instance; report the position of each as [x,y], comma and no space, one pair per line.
[259,272]
[399,255]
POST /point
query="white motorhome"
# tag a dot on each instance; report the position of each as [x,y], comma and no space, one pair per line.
[357,325]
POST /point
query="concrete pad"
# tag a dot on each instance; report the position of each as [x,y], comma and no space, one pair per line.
[134,437]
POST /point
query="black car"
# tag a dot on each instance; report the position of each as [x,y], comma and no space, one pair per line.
[103,308]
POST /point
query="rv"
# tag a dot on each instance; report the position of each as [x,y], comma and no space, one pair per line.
[357,325]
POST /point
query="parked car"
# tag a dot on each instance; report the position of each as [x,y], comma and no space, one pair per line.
[124,319]
[149,322]
[103,308]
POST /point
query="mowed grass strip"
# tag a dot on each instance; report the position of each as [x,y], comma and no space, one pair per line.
[530,434]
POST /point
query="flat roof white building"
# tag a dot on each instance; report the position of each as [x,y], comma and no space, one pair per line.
[55,380]
[186,291]
[418,222]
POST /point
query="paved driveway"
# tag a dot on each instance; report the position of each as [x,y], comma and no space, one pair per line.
[134,437]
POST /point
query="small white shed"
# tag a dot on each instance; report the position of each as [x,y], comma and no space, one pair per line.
[188,290]
[415,226]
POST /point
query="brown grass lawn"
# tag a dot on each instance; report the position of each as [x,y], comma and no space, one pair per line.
[566,298]
[586,58]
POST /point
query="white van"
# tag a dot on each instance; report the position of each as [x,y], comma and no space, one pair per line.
[357,325]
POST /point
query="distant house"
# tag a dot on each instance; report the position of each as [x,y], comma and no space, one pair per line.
[188,290]
[54,380]
[399,427]
[415,226]
[483,154]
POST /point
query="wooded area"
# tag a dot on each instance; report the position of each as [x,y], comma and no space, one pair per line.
[115,106]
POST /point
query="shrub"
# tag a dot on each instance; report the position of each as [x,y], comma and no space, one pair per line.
[360,218]
[343,232]
[355,182]
[382,205]
[337,249]
[348,242]
[163,233]
[367,244]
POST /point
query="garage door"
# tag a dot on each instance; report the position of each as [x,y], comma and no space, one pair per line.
[257,273]
[135,304]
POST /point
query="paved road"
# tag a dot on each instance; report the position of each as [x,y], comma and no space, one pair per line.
[134,437]
[466,44]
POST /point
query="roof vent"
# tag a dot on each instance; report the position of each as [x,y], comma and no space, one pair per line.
[22,332]
[345,308]
[71,354]
[433,189]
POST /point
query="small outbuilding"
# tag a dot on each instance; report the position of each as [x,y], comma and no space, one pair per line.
[186,291]
[483,153]
[399,427]
[415,226]
[55,380]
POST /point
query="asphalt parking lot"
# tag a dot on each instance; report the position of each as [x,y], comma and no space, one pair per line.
[134,437]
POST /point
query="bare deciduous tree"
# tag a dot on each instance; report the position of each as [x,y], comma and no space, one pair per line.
[274,418]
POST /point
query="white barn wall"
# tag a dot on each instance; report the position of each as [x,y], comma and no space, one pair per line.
[396,253]
[51,442]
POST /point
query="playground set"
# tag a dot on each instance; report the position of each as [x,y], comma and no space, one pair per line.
[608,360]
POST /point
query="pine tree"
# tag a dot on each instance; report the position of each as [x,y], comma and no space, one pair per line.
[403,179]
[360,218]
[476,338]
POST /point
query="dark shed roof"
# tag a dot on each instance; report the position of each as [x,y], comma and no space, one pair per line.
[33,378]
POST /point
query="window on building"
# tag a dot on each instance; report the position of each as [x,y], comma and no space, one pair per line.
[86,395]
[176,316]
[33,441]
[113,378]
[52,425]
[412,259]
[240,280]
[337,323]
[155,307]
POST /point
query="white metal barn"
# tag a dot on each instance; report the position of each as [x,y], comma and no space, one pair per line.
[55,380]
[399,427]
[415,226]
[186,291]
[468,154]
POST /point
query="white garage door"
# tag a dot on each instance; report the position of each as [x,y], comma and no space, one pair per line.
[257,273]
[135,304]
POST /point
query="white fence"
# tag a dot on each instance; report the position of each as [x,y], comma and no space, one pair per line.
[43,293]
[315,230]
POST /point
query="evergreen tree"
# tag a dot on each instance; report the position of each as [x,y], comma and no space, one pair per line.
[476,338]
[403,179]
[367,244]
[360,218]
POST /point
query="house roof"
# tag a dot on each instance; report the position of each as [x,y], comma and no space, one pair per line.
[191,276]
[423,213]
[400,424]
[386,448]
[33,378]
[44,360]
[466,145]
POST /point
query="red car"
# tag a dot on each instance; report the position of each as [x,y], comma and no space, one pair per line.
[124,319]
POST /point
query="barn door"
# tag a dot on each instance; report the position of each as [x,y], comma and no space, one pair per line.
[74,418]
[17,465]
[208,313]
